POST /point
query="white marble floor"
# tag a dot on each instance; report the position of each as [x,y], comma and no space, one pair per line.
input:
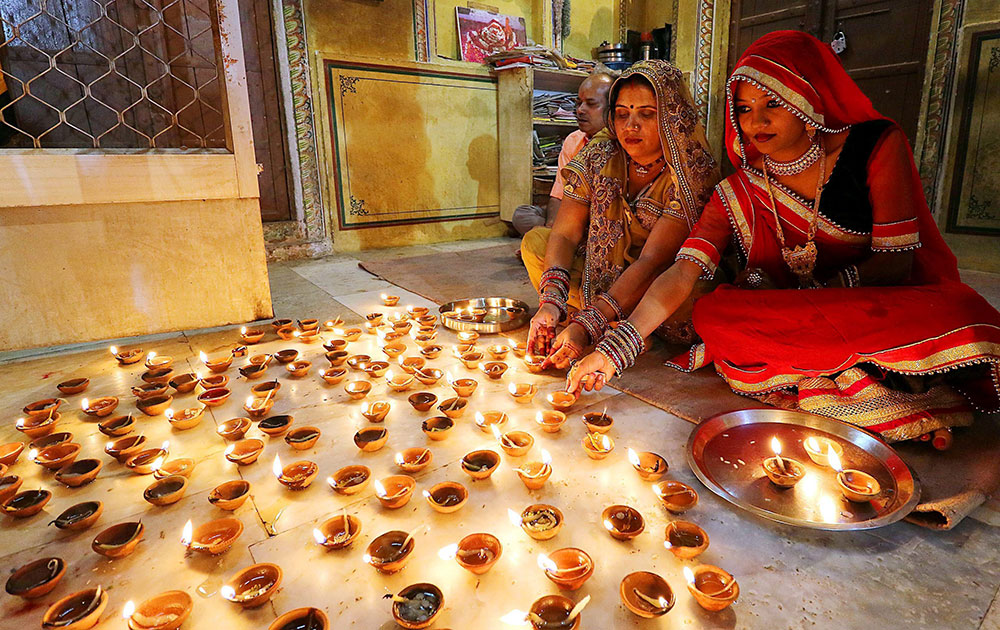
[900,576]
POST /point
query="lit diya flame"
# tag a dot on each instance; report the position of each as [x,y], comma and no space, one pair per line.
[113,350]
[276,467]
[318,536]
[187,533]
[85,404]
[157,463]
[448,552]
[296,334]
[451,377]
[128,609]
[835,460]
[338,331]
[150,356]
[227,592]
[689,575]
[169,413]
[500,438]
[603,446]
[203,357]
[779,461]
[32,453]
[633,458]
[243,330]
[228,451]
[20,422]
[516,618]
[545,469]
[515,518]
[546,564]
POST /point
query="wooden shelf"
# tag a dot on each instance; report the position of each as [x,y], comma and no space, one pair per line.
[547,122]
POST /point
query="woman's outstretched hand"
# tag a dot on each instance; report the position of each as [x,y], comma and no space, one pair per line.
[568,346]
[542,330]
[591,373]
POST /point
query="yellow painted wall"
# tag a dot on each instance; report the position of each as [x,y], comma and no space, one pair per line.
[591,22]
[361,27]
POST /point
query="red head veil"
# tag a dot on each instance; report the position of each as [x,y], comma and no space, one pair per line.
[809,80]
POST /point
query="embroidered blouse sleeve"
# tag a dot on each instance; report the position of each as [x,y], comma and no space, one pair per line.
[709,238]
[892,182]
[578,175]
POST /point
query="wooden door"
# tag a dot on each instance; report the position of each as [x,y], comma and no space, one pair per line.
[886,43]
[267,111]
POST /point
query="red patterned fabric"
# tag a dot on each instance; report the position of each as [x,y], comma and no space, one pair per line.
[763,342]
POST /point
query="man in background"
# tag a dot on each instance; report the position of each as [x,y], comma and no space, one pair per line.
[591,103]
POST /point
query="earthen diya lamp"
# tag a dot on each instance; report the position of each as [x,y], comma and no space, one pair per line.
[417,606]
[298,369]
[165,611]
[335,345]
[267,389]
[338,532]
[398,382]
[376,411]
[395,491]
[99,407]
[550,421]
[301,619]
[79,473]
[358,389]
[286,333]
[155,361]
[37,426]
[533,363]
[454,407]
[217,364]
[126,357]
[677,497]
[244,452]
[446,497]
[333,324]
[350,334]
[214,380]
[514,443]
[79,611]
[498,351]
[155,405]
[783,472]
[9,485]
[486,421]
[534,474]
[261,359]
[389,300]
[239,351]
[374,319]
[118,540]
[437,428]
[598,446]
[73,386]
[214,537]
[184,383]
[253,586]
[555,611]
[27,503]
[389,552]
[80,516]
[148,390]
[417,311]
[403,327]
[411,460]
[598,422]
[646,594]
[539,521]
[274,426]
[10,452]
[36,579]
[124,447]
[302,438]
[480,464]
[295,476]
[286,356]
[428,376]
[186,418]
[568,568]
[58,456]
[855,485]
[471,359]
[166,491]
[432,351]
[45,407]
[393,349]
[522,393]
[426,321]
[251,336]
[258,408]
[235,429]
[182,466]
[159,375]
[464,387]
[561,400]
[333,375]
[214,397]
[713,588]
[230,495]
[623,522]
[494,369]
[424,339]
[306,336]
[280,323]
[51,439]
[350,480]
[650,466]
[147,460]
[411,364]
[519,348]
[371,439]
[308,324]
[376,369]
[684,539]
[252,372]
[422,401]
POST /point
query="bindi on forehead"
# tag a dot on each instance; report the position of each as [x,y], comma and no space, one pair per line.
[623,106]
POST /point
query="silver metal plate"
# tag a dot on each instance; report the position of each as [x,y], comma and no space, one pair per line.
[726,452]
[502,314]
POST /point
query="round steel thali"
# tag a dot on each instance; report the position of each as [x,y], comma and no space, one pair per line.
[726,451]
[499,314]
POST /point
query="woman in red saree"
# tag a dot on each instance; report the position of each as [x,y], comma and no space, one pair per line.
[826,199]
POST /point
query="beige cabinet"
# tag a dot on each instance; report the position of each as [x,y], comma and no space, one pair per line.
[515,89]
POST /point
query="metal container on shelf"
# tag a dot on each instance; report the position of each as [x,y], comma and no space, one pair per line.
[614,56]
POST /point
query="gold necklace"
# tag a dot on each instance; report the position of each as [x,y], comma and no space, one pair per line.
[801,259]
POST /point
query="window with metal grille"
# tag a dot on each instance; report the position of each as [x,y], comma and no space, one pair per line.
[110,74]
